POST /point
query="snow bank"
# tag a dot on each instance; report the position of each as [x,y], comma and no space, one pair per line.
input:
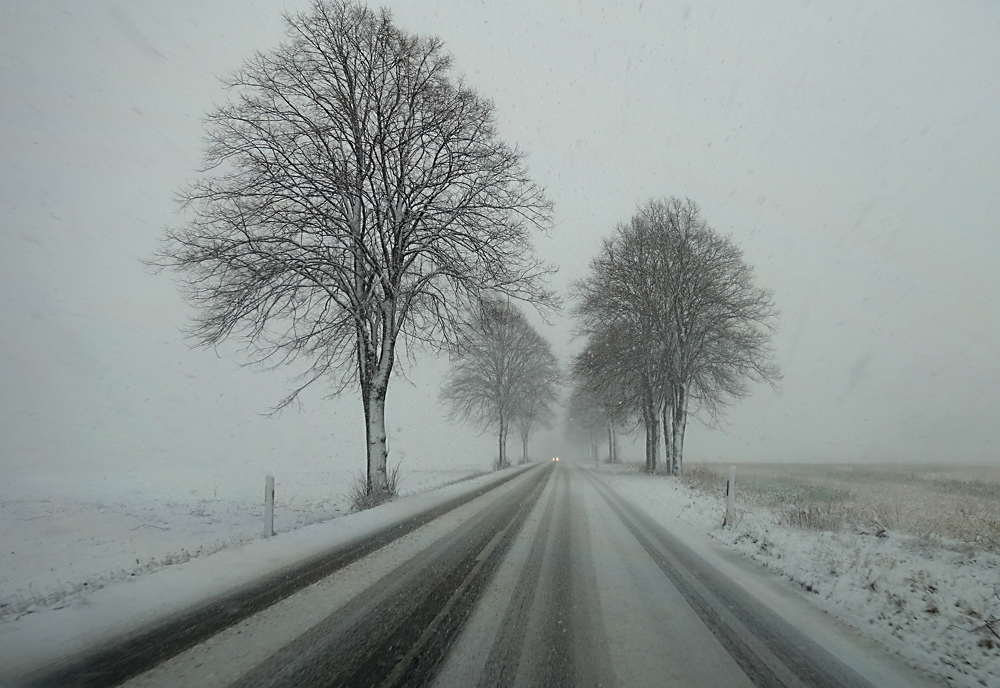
[121,605]
[934,603]
[69,534]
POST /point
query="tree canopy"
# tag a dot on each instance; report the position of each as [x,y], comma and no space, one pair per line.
[672,313]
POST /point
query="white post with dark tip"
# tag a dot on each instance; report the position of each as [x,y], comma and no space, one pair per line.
[268,506]
[731,497]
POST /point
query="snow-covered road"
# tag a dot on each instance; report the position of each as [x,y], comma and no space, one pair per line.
[553,578]
[594,592]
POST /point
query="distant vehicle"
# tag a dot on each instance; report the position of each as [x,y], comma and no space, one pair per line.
[555,458]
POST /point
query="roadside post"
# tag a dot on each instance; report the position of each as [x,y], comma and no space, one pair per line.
[731,497]
[268,506]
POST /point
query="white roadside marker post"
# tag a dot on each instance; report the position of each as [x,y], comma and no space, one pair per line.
[268,506]
[731,497]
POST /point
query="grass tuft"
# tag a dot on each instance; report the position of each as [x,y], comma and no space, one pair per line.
[361,499]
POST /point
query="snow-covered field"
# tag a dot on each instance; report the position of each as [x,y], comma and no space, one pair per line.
[64,536]
[927,595]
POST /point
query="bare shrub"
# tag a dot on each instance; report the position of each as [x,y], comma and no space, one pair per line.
[394,480]
[889,511]
[990,532]
[798,502]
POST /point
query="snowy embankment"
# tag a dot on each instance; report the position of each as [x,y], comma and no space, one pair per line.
[66,535]
[935,602]
[93,617]
[76,552]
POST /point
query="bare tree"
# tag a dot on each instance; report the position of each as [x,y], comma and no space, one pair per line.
[585,416]
[605,370]
[716,325]
[616,305]
[354,195]
[503,370]
[537,404]
[702,327]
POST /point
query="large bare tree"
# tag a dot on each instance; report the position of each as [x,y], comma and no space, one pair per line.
[502,371]
[355,195]
[714,322]
[616,308]
[700,326]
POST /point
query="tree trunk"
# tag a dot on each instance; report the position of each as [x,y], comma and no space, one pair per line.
[524,447]
[611,444]
[375,370]
[502,460]
[378,454]
[679,426]
[652,421]
[373,375]
[655,440]
[646,423]
[614,444]
[668,437]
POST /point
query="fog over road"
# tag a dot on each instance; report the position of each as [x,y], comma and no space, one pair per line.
[551,579]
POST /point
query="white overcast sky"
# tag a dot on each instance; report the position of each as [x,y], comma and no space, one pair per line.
[851,148]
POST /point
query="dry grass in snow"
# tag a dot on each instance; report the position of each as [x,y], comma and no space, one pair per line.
[956,503]
[908,555]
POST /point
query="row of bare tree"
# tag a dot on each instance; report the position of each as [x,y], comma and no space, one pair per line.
[674,324]
[356,198]
[588,417]
[504,375]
